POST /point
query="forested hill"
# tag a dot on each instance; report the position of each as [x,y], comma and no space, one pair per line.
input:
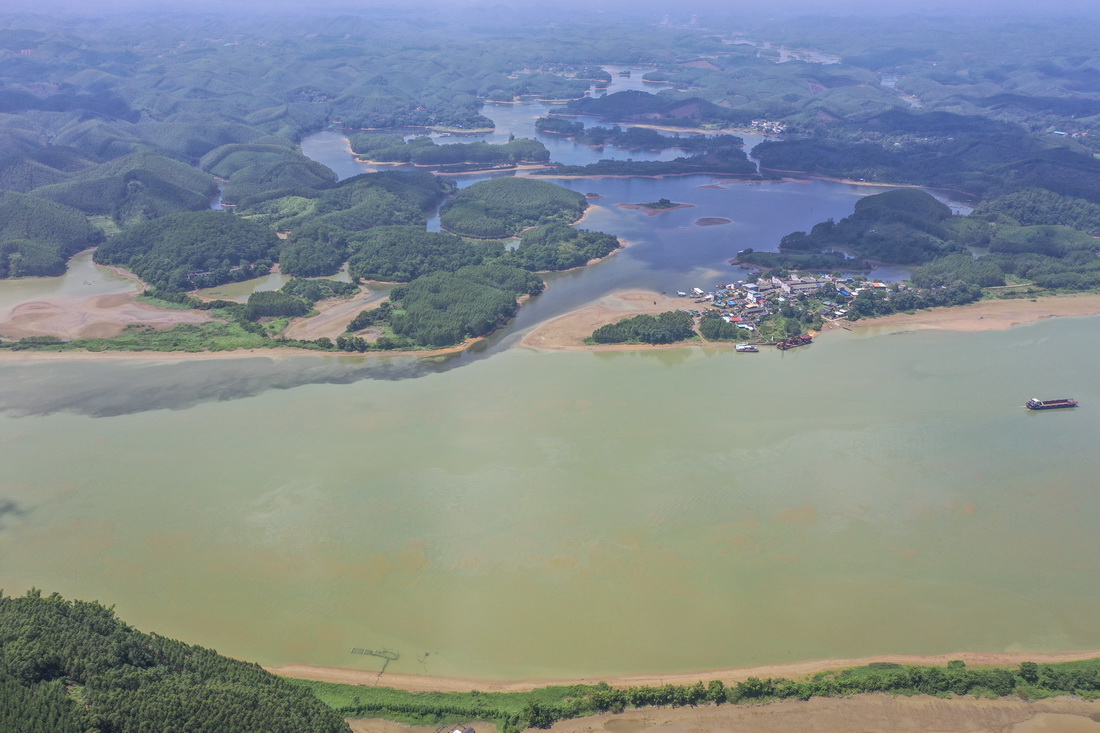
[73,667]
[38,236]
[502,207]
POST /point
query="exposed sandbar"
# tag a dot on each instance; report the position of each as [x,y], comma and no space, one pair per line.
[100,316]
[990,315]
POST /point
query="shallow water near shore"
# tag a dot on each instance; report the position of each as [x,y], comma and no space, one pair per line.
[573,514]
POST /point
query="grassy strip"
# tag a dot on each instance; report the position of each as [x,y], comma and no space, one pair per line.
[516,711]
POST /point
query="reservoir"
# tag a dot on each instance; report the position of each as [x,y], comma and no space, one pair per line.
[507,513]
[571,514]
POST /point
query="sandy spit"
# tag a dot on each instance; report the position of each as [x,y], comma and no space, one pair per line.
[569,331]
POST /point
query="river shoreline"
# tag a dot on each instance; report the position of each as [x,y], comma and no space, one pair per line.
[568,332]
[427,683]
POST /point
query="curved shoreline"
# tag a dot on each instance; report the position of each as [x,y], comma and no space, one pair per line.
[568,332]
[427,683]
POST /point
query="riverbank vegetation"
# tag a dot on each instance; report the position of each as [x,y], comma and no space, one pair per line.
[73,667]
[540,708]
[663,328]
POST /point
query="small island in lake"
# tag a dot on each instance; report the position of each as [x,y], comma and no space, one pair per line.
[656,207]
[712,221]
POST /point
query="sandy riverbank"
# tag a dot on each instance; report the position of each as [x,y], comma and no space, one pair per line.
[423,683]
[100,316]
[568,332]
[990,315]
[109,314]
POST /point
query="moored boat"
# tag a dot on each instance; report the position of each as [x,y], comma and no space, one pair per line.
[1037,404]
[794,341]
[745,348]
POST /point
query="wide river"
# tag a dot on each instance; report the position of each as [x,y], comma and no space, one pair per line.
[515,514]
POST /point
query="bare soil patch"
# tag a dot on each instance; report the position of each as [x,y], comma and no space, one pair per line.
[332,319]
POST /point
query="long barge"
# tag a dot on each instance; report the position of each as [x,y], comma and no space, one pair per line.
[1037,404]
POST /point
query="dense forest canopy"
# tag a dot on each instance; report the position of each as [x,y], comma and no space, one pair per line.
[38,236]
[73,667]
[425,151]
[502,207]
[184,251]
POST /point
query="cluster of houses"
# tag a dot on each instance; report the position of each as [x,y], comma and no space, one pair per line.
[768,127]
[746,303]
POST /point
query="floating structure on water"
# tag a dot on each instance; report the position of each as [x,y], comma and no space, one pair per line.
[1037,404]
[794,341]
[745,348]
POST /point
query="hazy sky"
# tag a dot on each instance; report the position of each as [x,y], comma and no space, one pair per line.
[724,8]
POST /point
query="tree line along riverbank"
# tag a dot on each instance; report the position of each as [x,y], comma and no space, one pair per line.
[69,665]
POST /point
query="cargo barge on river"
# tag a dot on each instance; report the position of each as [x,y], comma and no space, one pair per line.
[1037,404]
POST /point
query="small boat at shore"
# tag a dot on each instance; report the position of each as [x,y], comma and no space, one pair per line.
[745,348]
[1037,404]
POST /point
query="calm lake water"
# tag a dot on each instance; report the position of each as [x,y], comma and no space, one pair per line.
[507,513]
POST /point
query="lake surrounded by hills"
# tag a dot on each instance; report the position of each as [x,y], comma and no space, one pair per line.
[507,513]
